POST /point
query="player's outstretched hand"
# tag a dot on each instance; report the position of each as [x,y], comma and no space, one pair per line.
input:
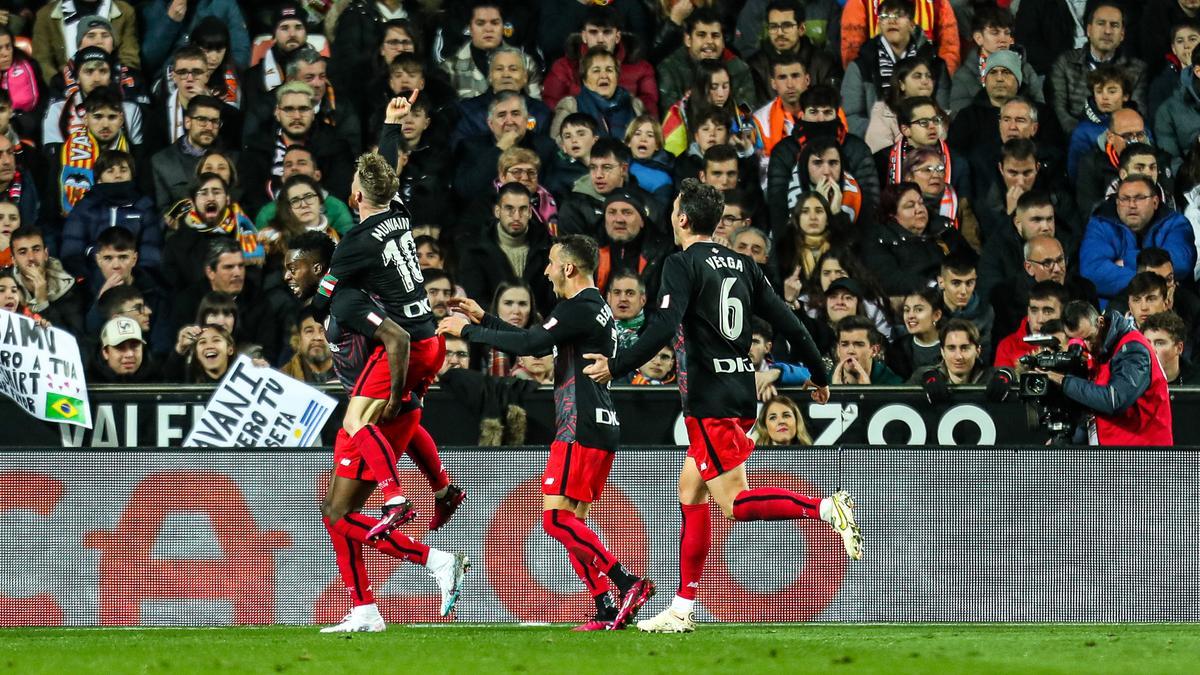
[598,369]
[399,107]
[819,394]
[466,306]
[452,325]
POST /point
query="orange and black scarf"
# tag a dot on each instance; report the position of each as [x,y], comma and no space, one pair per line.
[79,155]
[899,153]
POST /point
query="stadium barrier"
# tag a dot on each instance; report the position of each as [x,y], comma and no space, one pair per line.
[180,537]
[161,417]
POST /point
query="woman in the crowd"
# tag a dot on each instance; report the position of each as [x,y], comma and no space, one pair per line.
[920,349]
[299,208]
[211,35]
[807,296]
[712,89]
[908,244]
[780,423]
[600,96]
[651,164]
[927,169]
[912,77]
[212,353]
[812,231]
[19,76]
[512,304]
[819,168]
[12,300]
[10,220]
[961,359]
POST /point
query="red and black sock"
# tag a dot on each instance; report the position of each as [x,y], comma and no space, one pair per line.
[695,536]
[395,543]
[577,538]
[768,503]
[351,566]
[589,575]
[424,454]
[378,454]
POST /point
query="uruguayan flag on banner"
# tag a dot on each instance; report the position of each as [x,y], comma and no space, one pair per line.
[261,407]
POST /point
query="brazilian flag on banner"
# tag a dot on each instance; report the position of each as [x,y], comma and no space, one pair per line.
[65,408]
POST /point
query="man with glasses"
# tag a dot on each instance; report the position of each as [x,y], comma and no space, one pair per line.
[174,167]
[786,36]
[296,123]
[1100,168]
[186,79]
[1118,231]
[922,125]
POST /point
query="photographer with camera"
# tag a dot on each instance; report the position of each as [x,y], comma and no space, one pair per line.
[1124,393]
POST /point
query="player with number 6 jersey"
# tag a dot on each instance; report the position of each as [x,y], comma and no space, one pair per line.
[587,430]
[707,297]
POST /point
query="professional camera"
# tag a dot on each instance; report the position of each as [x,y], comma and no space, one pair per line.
[1055,413]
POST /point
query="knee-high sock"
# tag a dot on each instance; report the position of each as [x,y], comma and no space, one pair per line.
[577,538]
[406,432]
[695,536]
[355,526]
[589,575]
[379,456]
[351,566]
[768,503]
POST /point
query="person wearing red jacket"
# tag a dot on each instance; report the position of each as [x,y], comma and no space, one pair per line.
[1046,302]
[602,28]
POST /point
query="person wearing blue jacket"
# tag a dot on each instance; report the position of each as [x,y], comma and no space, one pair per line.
[169,23]
[1121,228]
[113,202]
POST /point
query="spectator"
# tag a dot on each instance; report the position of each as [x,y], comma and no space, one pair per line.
[439,287]
[212,215]
[1018,173]
[977,121]
[212,36]
[1114,236]
[735,215]
[1111,89]
[508,121]
[601,97]
[627,299]
[786,36]
[368,37]
[55,36]
[211,355]
[780,423]
[12,299]
[1167,334]
[651,165]
[1145,296]
[429,253]
[711,92]
[752,243]
[921,126]
[926,168]
[962,361]
[601,27]
[458,355]
[298,209]
[907,246]
[486,31]
[512,304]
[774,121]
[520,166]
[1185,35]
[167,119]
[843,297]
[863,20]
[426,168]
[1180,299]
[298,160]
[261,166]
[312,361]
[128,300]
[91,70]
[703,39]
[10,220]
[74,168]
[712,128]
[22,85]
[1046,301]
[1068,77]
[508,71]
[114,202]
[48,289]
[1157,20]
[575,138]
[659,370]
[911,78]
[1033,216]
[123,359]
[842,263]
[858,356]
[957,281]
[537,369]
[720,169]
[174,166]
[1177,122]
[169,23]
[631,241]
[991,31]
[513,249]
[921,348]
[582,211]
[869,71]
[1044,259]
[288,34]
[812,231]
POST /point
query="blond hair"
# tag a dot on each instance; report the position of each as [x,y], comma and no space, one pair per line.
[377,178]
[294,87]
[517,155]
[763,437]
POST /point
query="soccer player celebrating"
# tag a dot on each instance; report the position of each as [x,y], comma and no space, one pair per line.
[587,429]
[708,295]
[352,483]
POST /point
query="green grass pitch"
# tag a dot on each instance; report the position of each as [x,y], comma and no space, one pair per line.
[827,649]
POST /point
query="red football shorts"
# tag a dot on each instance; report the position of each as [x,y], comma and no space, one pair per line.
[424,361]
[576,471]
[718,444]
[348,461]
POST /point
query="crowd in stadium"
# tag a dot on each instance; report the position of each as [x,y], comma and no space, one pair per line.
[925,182]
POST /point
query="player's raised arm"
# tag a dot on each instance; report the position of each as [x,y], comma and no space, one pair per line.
[663,323]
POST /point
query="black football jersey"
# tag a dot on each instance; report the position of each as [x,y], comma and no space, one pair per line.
[707,297]
[378,256]
[349,336]
[580,325]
